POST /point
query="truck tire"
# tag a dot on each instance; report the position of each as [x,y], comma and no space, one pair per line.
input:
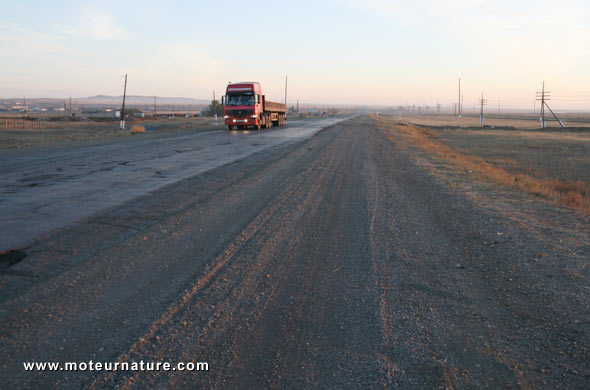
[230,127]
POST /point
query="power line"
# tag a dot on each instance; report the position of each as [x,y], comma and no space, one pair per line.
[459,99]
[482,102]
[543,96]
[285,92]
[122,123]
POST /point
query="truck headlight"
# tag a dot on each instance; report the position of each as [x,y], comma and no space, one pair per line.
[253,116]
[226,117]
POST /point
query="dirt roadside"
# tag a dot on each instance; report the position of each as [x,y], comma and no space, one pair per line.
[71,132]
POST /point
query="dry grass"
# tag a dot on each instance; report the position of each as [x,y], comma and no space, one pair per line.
[572,194]
[137,129]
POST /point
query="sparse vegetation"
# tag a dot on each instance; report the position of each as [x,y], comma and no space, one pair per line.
[574,194]
[137,129]
[214,107]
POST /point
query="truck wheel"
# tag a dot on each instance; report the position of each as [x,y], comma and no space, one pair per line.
[230,127]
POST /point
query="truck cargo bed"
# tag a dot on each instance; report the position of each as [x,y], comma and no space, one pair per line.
[274,107]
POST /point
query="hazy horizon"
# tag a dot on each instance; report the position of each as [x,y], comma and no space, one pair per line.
[344,52]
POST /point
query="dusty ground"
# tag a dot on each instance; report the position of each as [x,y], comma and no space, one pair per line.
[67,132]
[553,163]
[513,121]
[555,153]
[350,259]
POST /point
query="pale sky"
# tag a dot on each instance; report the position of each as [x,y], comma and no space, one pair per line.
[333,51]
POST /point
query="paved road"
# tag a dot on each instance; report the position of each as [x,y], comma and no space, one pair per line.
[50,187]
[332,262]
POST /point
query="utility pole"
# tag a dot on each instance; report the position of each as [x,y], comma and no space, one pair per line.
[437,110]
[482,103]
[286,108]
[214,106]
[298,106]
[70,106]
[25,105]
[459,99]
[155,107]
[122,123]
[172,110]
[543,96]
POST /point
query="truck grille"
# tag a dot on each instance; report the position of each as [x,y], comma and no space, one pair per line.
[240,112]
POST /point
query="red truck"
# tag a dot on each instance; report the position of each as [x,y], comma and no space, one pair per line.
[245,106]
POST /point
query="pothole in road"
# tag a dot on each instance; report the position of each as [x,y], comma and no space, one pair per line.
[10,257]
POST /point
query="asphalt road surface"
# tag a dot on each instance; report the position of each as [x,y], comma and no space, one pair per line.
[295,258]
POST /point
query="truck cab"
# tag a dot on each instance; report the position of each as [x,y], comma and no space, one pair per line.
[245,106]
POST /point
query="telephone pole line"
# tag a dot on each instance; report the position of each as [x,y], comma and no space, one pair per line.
[459,99]
[543,96]
[214,106]
[286,108]
[122,123]
[482,102]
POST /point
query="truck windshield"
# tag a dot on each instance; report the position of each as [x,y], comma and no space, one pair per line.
[240,100]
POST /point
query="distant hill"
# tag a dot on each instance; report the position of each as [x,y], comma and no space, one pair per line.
[110,100]
[134,99]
